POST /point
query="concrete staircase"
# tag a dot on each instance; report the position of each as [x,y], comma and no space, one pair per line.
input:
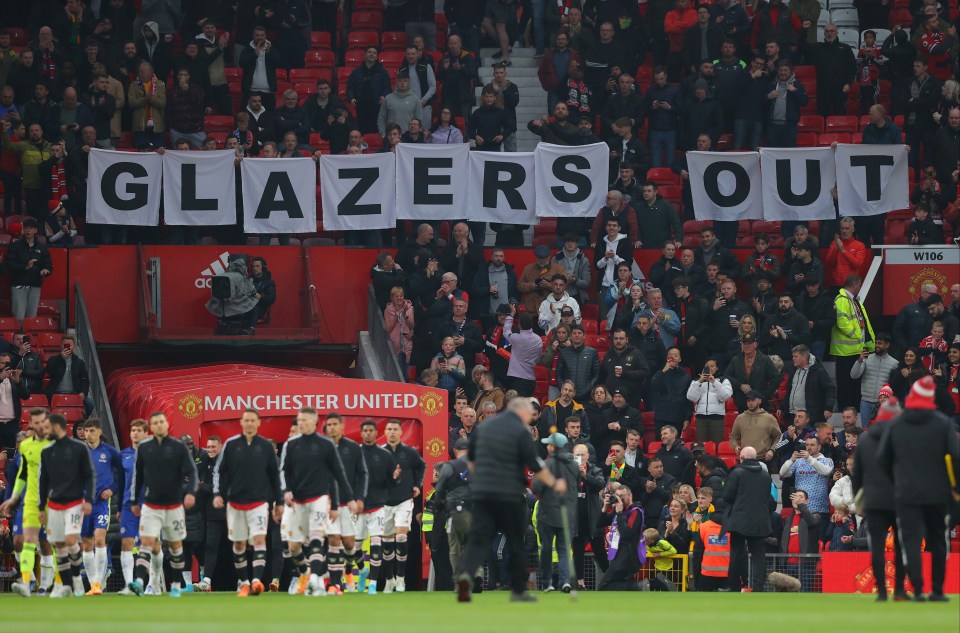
[533,98]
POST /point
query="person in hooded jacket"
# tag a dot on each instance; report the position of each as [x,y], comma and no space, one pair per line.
[918,453]
[155,48]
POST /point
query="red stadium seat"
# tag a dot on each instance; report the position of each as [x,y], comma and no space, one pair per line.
[50,340]
[810,123]
[653,447]
[663,176]
[590,311]
[72,414]
[829,138]
[374,140]
[318,58]
[805,74]
[394,40]
[36,400]
[392,58]
[644,75]
[66,400]
[764,226]
[366,19]
[841,124]
[589,326]
[9,324]
[218,123]
[320,39]
[354,57]
[40,324]
[363,38]
[673,193]
[807,139]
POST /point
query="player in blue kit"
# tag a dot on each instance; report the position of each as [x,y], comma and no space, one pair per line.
[108,466]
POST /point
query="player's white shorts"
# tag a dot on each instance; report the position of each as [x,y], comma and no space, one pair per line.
[305,519]
[64,523]
[344,524]
[369,524]
[243,524]
[171,523]
[398,516]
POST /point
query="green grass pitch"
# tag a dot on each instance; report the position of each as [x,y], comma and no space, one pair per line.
[489,613]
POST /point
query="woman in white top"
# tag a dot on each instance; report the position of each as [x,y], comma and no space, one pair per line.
[446,130]
[709,394]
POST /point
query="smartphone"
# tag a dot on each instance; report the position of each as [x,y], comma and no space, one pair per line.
[578,459]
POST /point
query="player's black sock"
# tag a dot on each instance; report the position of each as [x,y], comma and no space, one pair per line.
[141,570]
[259,561]
[177,562]
[317,563]
[300,561]
[388,558]
[375,558]
[76,559]
[401,555]
[350,556]
[240,565]
[335,564]
[65,567]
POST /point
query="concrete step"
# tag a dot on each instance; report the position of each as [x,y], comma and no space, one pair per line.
[486,73]
[518,53]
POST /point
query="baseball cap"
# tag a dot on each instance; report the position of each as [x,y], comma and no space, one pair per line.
[461,444]
[559,440]
[748,337]
[753,394]
[698,448]
[541,251]
[616,392]
[566,311]
[503,308]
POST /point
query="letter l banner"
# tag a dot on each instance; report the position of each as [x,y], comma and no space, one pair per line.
[798,183]
[199,188]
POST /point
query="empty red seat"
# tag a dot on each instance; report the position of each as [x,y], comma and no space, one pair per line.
[9,324]
[828,138]
[320,39]
[367,19]
[50,339]
[644,75]
[393,41]
[35,400]
[805,74]
[590,311]
[392,58]
[589,326]
[40,324]
[807,139]
[66,401]
[663,176]
[72,414]
[218,123]
[765,226]
[315,58]
[363,38]
[810,123]
[841,124]
[354,57]
[653,447]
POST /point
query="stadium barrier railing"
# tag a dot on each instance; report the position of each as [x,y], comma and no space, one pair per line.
[383,346]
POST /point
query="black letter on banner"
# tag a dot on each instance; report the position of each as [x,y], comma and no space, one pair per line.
[584,188]
[510,187]
[711,181]
[366,177]
[785,190]
[278,180]
[137,191]
[188,193]
[874,180]
[422,180]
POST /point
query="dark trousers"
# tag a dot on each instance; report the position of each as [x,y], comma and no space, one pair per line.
[726,232]
[739,544]
[831,101]
[36,206]
[324,17]
[878,523]
[523,386]
[489,517]
[579,546]
[848,389]
[440,555]
[620,573]
[916,523]
[8,435]
[216,533]
[218,97]
[781,134]
[870,229]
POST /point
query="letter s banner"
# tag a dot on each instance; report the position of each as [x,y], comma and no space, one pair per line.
[124,188]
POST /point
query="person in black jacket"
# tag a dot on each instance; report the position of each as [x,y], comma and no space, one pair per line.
[341,541]
[381,475]
[215,526]
[677,458]
[265,286]
[747,495]
[874,489]
[817,306]
[291,117]
[624,368]
[13,387]
[612,428]
[398,510]
[67,479]
[590,483]
[246,477]
[489,124]
[713,475]
[164,483]
[783,330]
[386,275]
[77,381]
[314,480]
[28,264]
[656,490]
[669,390]
[913,453]
[693,313]
[259,49]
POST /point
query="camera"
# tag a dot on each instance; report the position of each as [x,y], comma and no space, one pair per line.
[612,499]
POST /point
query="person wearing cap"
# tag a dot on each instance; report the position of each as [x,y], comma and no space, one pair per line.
[874,489]
[755,428]
[499,455]
[938,312]
[399,106]
[535,280]
[709,394]
[873,369]
[817,305]
[548,519]
[751,370]
[850,335]
[615,207]
[553,307]
[804,265]
[576,267]
[452,495]
[916,452]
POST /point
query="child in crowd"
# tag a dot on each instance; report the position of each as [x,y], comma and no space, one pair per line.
[659,550]
[937,346]
[841,529]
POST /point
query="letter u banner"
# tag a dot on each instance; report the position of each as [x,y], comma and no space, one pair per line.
[798,183]
[124,188]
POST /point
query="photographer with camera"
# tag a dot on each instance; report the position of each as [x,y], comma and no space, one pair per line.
[626,521]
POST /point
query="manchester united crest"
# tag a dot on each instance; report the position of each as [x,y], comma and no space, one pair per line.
[431,403]
[190,406]
[436,447]
[927,276]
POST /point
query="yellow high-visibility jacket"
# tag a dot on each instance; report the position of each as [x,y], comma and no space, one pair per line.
[847,338]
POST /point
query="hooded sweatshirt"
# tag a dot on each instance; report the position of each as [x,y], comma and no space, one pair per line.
[399,107]
[608,266]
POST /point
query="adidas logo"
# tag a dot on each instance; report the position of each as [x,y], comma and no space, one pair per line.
[216,267]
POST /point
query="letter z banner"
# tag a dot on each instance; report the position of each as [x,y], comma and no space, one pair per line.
[279,195]
[798,183]
[199,188]
[358,192]
[124,188]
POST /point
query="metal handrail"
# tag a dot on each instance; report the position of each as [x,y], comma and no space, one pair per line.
[98,388]
[382,345]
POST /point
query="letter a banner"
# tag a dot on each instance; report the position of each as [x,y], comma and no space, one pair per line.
[798,183]
[571,181]
[430,181]
[124,188]
[358,192]
[725,186]
[279,195]
[199,188]
[872,179]
[501,187]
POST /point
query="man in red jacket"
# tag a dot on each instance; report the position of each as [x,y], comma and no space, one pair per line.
[846,256]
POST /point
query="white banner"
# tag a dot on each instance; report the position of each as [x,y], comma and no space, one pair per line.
[279,195]
[571,181]
[430,181]
[199,188]
[501,189]
[124,188]
[797,183]
[725,186]
[358,192]
[872,179]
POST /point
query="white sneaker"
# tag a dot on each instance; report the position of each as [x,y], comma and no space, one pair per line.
[292,590]
[61,591]
[549,589]
[314,586]
[22,588]
[389,585]
[78,588]
[400,585]
[148,591]
[126,591]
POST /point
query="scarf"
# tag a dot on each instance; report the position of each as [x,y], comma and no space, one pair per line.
[58,182]
[150,90]
[48,67]
[613,536]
